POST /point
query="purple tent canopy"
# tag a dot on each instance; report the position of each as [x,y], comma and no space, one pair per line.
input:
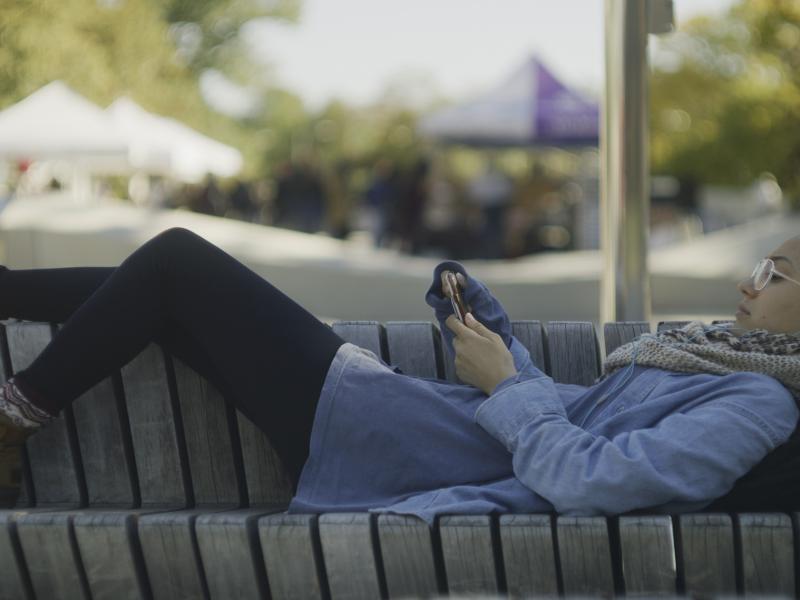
[530,108]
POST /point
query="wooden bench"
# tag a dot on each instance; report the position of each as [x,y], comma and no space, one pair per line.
[151,486]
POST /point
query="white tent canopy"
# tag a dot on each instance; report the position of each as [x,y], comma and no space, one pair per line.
[162,145]
[57,123]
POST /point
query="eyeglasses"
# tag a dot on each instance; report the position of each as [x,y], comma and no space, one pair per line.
[763,273]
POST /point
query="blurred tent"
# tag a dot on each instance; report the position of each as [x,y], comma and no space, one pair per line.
[530,108]
[165,146]
[57,123]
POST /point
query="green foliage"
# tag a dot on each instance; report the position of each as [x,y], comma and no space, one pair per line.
[155,52]
[725,97]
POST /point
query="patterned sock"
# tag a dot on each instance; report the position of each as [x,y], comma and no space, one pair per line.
[19,409]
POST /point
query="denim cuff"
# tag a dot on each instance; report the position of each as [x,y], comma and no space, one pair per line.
[515,404]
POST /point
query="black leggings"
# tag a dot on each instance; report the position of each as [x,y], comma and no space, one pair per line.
[264,352]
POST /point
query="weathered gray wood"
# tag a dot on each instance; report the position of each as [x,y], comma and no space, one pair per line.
[292,556]
[207,430]
[469,557]
[415,347]
[408,557]
[648,554]
[620,333]
[171,555]
[370,335]
[706,540]
[351,560]
[57,480]
[231,554]
[585,553]
[767,553]
[105,450]
[103,435]
[573,352]
[268,482]
[51,555]
[111,555]
[529,555]
[14,581]
[529,333]
[163,477]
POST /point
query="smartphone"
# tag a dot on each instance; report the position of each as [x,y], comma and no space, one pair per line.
[457,300]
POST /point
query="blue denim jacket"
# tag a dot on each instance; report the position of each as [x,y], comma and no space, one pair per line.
[664,441]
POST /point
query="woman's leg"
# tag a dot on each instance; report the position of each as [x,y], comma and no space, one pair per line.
[263,351]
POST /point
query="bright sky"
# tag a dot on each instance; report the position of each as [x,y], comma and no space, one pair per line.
[353,49]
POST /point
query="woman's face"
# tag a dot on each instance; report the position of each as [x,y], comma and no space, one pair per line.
[776,308]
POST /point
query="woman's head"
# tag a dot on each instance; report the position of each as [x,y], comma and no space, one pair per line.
[775,308]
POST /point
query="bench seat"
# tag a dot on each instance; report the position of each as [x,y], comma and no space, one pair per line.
[152,486]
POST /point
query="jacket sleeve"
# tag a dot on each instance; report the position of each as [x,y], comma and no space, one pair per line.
[689,456]
[486,309]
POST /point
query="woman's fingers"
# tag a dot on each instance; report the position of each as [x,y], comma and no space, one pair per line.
[448,293]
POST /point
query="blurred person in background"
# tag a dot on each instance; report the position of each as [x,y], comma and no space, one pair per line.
[491,191]
[240,202]
[299,201]
[338,213]
[413,196]
[380,199]
[526,213]
[208,198]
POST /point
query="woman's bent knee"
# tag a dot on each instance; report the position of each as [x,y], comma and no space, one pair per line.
[174,238]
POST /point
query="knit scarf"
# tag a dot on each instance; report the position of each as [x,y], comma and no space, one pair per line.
[715,349]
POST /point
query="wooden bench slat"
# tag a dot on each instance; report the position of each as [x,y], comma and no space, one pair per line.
[109,548]
[268,483]
[620,333]
[293,557]
[584,551]
[55,465]
[207,430]
[529,555]
[231,553]
[352,562]
[101,426]
[573,352]
[172,560]
[106,451]
[370,335]
[469,555]
[648,554]
[53,563]
[664,325]
[767,544]
[416,347]
[706,541]
[530,334]
[14,580]
[160,461]
[409,558]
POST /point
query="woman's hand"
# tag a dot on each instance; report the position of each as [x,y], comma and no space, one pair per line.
[482,358]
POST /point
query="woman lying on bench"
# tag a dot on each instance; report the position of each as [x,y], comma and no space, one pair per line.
[676,420]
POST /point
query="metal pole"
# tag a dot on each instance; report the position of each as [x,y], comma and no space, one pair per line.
[624,196]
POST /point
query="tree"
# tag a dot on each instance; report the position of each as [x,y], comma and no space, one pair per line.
[725,97]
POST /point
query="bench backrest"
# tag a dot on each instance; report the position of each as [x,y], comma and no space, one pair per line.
[157,434]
